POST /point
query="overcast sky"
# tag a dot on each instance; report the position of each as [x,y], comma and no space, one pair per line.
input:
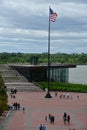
[24,26]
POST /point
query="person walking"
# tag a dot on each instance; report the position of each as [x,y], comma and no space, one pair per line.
[43,127]
[40,127]
[65,117]
[45,118]
[68,119]
[23,109]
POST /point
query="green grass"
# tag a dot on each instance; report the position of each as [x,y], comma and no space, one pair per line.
[58,86]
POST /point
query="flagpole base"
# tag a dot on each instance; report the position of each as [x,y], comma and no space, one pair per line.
[48,95]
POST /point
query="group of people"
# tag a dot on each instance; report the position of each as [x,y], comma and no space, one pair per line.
[13,93]
[14,106]
[42,127]
[66,118]
[66,95]
[51,118]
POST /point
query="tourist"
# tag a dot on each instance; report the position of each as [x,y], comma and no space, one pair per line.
[55,94]
[43,127]
[77,96]
[67,95]
[65,117]
[52,119]
[49,116]
[45,118]
[68,119]
[40,127]
[23,109]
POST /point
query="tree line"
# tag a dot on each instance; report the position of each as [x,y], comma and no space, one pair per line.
[43,58]
[3,97]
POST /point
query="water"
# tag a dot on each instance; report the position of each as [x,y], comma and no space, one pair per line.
[78,74]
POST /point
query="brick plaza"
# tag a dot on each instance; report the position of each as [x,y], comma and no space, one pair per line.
[37,107]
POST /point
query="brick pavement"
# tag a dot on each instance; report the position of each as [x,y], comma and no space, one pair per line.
[37,107]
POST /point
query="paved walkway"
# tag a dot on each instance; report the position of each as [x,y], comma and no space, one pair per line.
[37,107]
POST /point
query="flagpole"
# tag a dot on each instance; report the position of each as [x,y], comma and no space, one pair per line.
[48,95]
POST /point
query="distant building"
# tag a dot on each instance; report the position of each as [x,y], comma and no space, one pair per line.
[34,60]
[58,72]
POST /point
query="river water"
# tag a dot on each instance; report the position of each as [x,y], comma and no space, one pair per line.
[78,74]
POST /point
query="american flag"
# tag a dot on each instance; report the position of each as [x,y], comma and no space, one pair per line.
[53,15]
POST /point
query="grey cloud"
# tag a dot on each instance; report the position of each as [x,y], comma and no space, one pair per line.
[26,22]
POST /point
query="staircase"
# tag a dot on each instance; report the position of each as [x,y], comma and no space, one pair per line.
[14,80]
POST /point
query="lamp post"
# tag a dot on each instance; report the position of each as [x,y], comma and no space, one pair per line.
[48,95]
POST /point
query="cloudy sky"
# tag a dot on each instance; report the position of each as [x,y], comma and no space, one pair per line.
[24,26]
